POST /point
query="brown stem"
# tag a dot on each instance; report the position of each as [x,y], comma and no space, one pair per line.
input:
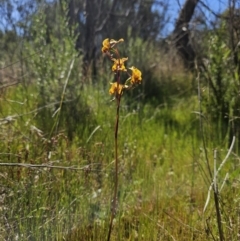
[219,219]
[114,202]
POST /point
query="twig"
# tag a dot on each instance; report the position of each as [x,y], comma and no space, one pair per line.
[215,171]
[9,84]
[224,181]
[162,227]
[93,132]
[226,157]
[27,165]
[9,119]
[182,223]
[218,170]
[6,66]
[209,230]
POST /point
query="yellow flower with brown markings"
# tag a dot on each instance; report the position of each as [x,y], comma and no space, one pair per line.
[108,44]
[118,64]
[116,88]
[136,77]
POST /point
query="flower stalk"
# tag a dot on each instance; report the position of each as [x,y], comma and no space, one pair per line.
[117,88]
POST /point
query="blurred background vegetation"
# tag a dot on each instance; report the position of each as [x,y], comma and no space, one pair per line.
[57,120]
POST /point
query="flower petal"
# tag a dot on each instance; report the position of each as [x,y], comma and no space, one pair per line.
[116,88]
[136,77]
[106,45]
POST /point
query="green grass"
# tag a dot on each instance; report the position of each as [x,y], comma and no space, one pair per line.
[162,185]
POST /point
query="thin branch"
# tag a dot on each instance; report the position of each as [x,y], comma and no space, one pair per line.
[215,171]
[103,23]
[227,156]
[224,181]
[93,132]
[6,66]
[9,119]
[218,170]
[159,225]
[211,11]
[182,223]
[8,85]
[27,165]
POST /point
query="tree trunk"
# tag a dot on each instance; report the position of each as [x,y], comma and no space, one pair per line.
[181,39]
[89,39]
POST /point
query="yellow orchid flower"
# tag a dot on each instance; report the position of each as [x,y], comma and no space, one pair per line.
[136,77]
[116,88]
[118,64]
[108,44]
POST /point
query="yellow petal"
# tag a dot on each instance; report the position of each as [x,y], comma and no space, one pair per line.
[118,64]
[113,42]
[106,45]
[136,75]
[116,88]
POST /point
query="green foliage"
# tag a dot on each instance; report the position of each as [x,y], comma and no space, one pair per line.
[49,60]
[52,119]
[164,83]
[54,65]
[220,82]
[161,175]
[8,43]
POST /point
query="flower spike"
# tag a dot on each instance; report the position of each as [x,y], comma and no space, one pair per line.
[117,89]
